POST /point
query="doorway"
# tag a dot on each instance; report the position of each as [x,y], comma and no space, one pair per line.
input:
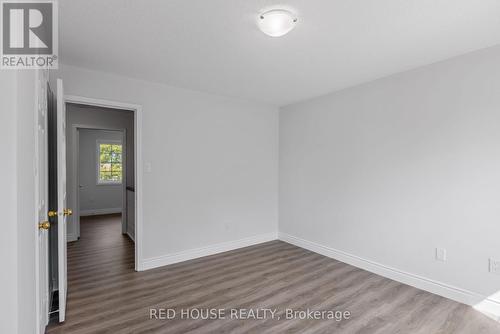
[119,117]
[103,169]
[101,182]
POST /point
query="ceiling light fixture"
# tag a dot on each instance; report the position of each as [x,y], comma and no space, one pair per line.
[277,22]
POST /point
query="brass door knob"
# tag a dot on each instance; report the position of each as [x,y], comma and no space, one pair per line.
[67,212]
[44,225]
[52,213]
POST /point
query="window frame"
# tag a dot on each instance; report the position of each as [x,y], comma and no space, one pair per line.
[99,142]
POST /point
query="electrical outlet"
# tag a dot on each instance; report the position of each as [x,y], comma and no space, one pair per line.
[441,254]
[495,266]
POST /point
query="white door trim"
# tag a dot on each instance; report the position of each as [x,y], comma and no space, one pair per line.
[137,109]
[62,191]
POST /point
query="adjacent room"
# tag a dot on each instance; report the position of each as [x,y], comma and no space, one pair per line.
[248,166]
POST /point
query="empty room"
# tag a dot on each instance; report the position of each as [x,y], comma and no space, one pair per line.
[244,166]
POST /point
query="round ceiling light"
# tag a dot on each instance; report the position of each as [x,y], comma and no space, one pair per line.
[277,22]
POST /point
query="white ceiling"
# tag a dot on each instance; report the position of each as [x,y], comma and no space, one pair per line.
[215,46]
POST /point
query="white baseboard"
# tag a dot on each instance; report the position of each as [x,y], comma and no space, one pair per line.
[419,282]
[205,251]
[489,307]
[482,303]
[130,236]
[96,212]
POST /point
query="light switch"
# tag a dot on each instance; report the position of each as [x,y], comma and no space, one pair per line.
[441,254]
[495,266]
[148,167]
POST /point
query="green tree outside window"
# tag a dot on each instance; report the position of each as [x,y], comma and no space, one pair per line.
[110,163]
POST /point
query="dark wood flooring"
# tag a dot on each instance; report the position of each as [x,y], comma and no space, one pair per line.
[106,295]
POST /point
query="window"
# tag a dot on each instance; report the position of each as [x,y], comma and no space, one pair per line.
[109,162]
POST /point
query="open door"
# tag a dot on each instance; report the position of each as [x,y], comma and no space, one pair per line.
[61,200]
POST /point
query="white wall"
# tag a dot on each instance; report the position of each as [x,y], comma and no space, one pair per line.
[27,231]
[19,230]
[214,161]
[8,200]
[96,198]
[18,235]
[392,169]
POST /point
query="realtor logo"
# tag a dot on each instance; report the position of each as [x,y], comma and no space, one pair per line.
[29,35]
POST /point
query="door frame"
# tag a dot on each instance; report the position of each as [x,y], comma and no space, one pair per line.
[75,156]
[138,163]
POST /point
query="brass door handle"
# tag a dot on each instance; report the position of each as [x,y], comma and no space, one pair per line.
[66,212]
[44,225]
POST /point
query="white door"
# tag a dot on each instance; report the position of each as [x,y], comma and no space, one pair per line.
[41,200]
[61,200]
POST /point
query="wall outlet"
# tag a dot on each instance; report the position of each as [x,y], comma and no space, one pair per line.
[441,254]
[495,266]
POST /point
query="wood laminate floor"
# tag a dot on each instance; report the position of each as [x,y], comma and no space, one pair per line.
[106,295]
